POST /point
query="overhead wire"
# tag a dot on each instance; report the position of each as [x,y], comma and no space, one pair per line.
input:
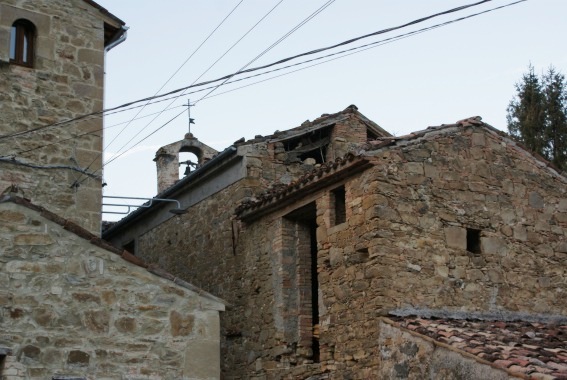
[145,138]
[350,52]
[211,66]
[253,69]
[176,71]
[281,39]
[81,135]
[377,43]
[307,19]
[310,17]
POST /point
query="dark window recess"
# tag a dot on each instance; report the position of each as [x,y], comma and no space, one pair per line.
[22,40]
[370,135]
[2,364]
[473,240]
[130,247]
[339,200]
[302,297]
[312,145]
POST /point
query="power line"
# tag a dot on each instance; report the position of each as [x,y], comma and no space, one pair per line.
[310,17]
[370,45]
[351,51]
[73,168]
[289,33]
[145,138]
[254,68]
[169,79]
[211,66]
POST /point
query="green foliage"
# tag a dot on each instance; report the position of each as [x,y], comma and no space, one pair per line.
[537,115]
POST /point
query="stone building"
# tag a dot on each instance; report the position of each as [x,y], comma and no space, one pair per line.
[348,253]
[52,71]
[71,305]
[74,307]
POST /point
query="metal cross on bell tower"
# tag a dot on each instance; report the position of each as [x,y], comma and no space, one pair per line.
[191,121]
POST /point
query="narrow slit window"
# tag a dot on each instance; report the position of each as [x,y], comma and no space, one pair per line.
[339,200]
[22,36]
[473,240]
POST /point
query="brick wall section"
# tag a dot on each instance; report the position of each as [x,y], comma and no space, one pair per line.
[70,308]
[66,81]
[345,136]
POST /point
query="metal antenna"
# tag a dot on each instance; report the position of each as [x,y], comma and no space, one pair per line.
[189,105]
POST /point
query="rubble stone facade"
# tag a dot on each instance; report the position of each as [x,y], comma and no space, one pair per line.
[65,80]
[72,309]
[456,219]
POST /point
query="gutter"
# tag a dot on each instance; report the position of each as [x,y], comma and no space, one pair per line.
[118,38]
[167,193]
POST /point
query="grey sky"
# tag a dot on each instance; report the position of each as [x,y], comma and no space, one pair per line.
[464,69]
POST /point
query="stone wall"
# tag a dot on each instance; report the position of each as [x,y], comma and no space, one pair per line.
[456,220]
[65,81]
[404,247]
[407,356]
[70,308]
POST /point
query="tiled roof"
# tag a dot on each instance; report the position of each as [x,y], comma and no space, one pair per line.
[97,241]
[525,349]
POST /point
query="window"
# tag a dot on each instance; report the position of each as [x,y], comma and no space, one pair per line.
[299,291]
[22,38]
[473,240]
[4,351]
[339,201]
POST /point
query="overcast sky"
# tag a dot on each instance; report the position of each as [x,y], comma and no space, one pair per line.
[464,69]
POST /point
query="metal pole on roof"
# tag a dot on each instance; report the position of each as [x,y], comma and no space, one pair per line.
[191,121]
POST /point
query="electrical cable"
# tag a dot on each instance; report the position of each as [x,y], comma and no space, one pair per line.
[289,33]
[20,163]
[214,63]
[310,17]
[415,32]
[145,138]
[351,51]
[254,68]
[171,77]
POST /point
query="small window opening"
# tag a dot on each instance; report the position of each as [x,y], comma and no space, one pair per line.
[309,146]
[22,39]
[2,364]
[339,200]
[473,240]
[370,135]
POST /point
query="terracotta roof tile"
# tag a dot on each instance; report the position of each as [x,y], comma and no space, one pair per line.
[538,350]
